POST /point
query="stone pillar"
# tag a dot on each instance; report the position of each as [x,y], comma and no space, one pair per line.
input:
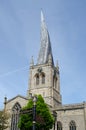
[55,123]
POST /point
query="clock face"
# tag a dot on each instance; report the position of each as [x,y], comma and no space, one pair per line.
[56,72]
[39,70]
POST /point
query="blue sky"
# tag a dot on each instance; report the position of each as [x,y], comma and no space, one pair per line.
[20,40]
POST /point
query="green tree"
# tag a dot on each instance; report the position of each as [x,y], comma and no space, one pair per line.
[3,120]
[44,118]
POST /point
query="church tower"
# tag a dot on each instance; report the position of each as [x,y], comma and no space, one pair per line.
[44,76]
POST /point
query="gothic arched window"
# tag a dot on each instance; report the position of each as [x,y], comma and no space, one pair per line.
[16,107]
[72,125]
[37,79]
[15,116]
[43,78]
[59,125]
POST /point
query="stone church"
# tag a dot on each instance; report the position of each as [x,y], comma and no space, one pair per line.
[44,79]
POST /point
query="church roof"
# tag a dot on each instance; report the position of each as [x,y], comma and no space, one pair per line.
[17,97]
[70,106]
[45,49]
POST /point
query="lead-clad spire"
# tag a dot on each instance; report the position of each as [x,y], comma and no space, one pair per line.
[45,49]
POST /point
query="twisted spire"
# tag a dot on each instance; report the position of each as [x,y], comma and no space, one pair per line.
[45,49]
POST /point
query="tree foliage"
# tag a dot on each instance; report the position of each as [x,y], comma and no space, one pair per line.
[44,119]
[3,120]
